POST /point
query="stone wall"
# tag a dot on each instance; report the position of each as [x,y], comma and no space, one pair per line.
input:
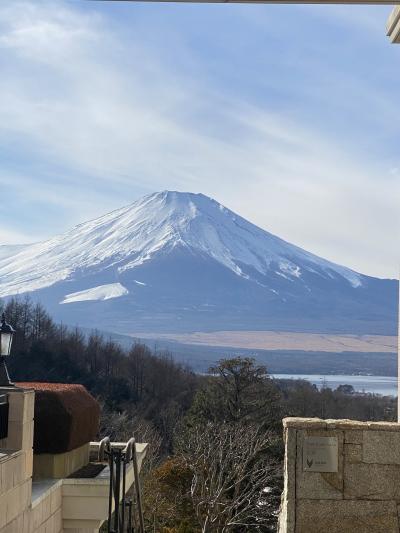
[46,512]
[20,510]
[360,494]
[60,465]
[16,464]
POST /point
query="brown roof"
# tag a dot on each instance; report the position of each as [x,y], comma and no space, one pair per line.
[36,385]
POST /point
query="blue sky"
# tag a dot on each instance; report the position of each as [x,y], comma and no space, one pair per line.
[288,115]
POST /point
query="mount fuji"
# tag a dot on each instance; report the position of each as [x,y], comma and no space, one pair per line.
[181,262]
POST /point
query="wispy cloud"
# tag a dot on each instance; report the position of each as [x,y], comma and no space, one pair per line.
[94,113]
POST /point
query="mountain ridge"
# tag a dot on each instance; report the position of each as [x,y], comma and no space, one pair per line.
[168,240]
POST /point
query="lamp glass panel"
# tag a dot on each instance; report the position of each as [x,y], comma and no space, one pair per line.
[5,343]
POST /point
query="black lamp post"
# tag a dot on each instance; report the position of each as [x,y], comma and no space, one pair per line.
[6,337]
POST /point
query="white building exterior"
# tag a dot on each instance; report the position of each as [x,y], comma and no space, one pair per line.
[36,494]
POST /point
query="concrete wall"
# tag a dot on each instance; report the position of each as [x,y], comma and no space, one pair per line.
[363,495]
[20,510]
[60,465]
[46,512]
[16,465]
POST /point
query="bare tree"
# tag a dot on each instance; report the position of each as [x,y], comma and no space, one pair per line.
[239,391]
[124,425]
[234,480]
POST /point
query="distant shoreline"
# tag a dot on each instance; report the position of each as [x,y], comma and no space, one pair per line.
[384,385]
[324,361]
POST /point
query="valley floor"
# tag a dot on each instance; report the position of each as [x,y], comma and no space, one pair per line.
[282,340]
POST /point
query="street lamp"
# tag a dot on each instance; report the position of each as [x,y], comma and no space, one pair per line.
[6,337]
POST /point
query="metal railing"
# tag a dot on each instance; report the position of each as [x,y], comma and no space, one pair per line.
[128,512]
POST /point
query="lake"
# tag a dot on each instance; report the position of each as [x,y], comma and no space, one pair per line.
[385,385]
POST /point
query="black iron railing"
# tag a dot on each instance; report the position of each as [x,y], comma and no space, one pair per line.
[4,408]
[128,515]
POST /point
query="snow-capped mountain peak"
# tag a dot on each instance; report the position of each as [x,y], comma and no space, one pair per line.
[158,223]
[175,261]
[130,236]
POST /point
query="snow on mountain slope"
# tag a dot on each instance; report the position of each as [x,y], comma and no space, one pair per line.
[182,262]
[132,236]
[8,250]
[102,292]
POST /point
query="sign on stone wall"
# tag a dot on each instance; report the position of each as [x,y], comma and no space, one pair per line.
[320,454]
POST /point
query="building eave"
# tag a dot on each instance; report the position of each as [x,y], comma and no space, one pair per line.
[393,26]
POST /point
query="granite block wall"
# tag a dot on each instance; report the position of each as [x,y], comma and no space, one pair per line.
[359,492]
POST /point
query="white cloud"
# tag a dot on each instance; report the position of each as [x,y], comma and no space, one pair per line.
[8,236]
[98,104]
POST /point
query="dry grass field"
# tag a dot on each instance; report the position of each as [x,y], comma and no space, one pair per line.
[282,340]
